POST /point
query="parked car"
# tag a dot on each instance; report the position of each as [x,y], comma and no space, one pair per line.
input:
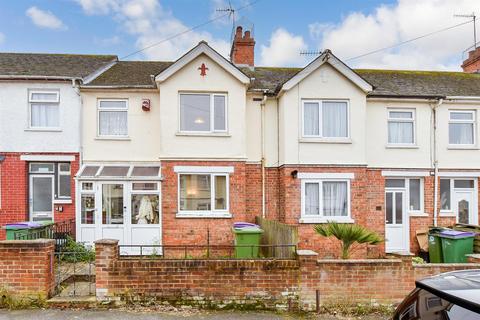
[452,295]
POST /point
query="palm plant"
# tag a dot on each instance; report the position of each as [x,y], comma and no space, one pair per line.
[348,234]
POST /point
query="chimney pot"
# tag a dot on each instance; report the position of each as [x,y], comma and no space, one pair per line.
[243,48]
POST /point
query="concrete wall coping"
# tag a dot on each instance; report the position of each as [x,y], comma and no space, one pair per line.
[306,253]
[107,241]
[435,265]
[35,242]
[358,261]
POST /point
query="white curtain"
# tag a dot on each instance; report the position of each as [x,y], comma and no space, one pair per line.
[334,119]
[113,123]
[400,132]
[310,119]
[44,115]
[334,198]
[312,202]
[461,133]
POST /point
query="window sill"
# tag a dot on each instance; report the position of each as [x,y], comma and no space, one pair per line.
[447,214]
[325,140]
[206,215]
[401,146]
[44,129]
[326,220]
[113,138]
[62,201]
[203,134]
[418,214]
[454,147]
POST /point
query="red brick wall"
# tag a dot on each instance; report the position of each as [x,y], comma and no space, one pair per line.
[14,191]
[194,230]
[26,267]
[266,283]
[253,187]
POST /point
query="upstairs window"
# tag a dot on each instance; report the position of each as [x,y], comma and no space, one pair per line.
[203,112]
[112,118]
[325,119]
[44,109]
[461,127]
[401,127]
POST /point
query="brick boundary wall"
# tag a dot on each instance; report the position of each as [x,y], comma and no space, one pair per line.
[270,284]
[26,268]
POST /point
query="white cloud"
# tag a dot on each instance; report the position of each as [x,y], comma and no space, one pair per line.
[283,49]
[107,42]
[45,19]
[358,33]
[150,23]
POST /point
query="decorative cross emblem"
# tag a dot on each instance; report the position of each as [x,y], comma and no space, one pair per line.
[203,70]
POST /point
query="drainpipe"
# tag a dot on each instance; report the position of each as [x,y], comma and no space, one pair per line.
[262,110]
[435,162]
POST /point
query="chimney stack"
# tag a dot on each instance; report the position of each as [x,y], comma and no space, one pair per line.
[472,63]
[242,52]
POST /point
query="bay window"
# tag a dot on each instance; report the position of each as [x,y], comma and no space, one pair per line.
[112,118]
[401,127]
[44,109]
[461,127]
[325,119]
[325,200]
[203,112]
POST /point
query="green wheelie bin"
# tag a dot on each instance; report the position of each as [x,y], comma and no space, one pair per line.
[27,230]
[456,245]
[435,254]
[247,241]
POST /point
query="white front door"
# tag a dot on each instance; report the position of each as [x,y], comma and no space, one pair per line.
[41,197]
[396,223]
[113,211]
[464,207]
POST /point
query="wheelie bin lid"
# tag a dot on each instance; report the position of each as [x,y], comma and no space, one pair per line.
[455,234]
[239,225]
[247,230]
[22,225]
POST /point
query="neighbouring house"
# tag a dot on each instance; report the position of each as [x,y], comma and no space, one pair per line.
[40,117]
[174,152]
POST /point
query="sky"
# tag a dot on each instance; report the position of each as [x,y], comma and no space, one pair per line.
[282,29]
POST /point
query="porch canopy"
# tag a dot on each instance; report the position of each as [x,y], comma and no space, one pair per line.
[119,172]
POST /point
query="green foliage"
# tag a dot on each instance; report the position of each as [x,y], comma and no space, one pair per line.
[418,260]
[11,302]
[348,234]
[76,252]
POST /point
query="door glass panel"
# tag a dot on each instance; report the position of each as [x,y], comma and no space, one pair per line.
[463,184]
[42,194]
[399,208]
[463,211]
[145,209]
[88,208]
[41,167]
[389,208]
[112,204]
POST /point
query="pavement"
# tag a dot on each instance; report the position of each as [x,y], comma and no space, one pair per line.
[58,314]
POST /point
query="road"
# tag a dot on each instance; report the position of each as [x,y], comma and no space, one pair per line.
[57,314]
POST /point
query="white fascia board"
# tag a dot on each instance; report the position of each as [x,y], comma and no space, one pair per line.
[202,169]
[325,175]
[336,64]
[460,174]
[399,173]
[202,48]
[31,157]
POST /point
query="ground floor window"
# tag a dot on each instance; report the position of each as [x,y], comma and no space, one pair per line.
[325,200]
[415,193]
[458,197]
[145,204]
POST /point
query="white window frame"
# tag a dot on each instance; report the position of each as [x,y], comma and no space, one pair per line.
[304,218]
[32,101]
[463,121]
[99,109]
[212,115]
[450,212]
[155,192]
[213,213]
[63,173]
[87,192]
[406,189]
[320,127]
[404,120]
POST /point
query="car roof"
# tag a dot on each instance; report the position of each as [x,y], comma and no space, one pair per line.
[459,287]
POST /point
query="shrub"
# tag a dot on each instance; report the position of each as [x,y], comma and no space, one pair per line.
[348,234]
[76,252]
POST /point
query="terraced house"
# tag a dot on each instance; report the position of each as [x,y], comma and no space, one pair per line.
[173,152]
